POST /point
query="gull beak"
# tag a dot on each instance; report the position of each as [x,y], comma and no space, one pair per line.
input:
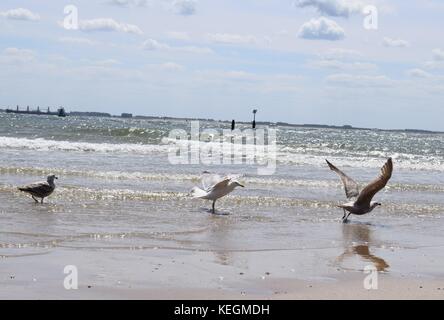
[241,185]
[56,177]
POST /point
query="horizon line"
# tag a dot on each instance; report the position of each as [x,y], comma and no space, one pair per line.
[278,123]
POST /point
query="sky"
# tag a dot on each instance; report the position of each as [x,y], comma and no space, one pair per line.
[377,64]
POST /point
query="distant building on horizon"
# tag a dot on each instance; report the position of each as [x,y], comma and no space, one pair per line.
[127,115]
[89,114]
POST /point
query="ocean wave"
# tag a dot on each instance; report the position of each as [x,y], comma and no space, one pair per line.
[106,175]
[289,155]
[402,161]
[40,144]
[194,178]
[74,194]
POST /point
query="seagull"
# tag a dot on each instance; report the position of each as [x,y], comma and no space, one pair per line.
[40,189]
[215,187]
[361,202]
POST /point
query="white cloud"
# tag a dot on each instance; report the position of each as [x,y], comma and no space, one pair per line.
[342,59]
[20,14]
[341,65]
[359,81]
[335,8]
[434,65]
[178,35]
[238,75]
[247,81]
[154,45]
[22,53]
[283,32]
[77,40]
[108,24]
[396,43]
[437,62]
[228,38]
[171,66]
[184,7]
[192,49]
[321,29]
[107,63]
[128,3]
[438,54]
[418,73]
[435,89]
[17,56]
[340,54]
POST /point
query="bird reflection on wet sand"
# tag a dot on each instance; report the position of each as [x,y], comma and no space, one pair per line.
[357,241]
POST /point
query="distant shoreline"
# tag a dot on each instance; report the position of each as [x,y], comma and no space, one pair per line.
[266,123]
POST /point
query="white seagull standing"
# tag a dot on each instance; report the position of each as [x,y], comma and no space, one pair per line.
[215,187]
[40,189]
[361,202]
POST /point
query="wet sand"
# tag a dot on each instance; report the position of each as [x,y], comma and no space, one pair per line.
[179,274]
[140,249]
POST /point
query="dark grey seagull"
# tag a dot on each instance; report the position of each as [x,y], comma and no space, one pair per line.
[361,202]
[40,189]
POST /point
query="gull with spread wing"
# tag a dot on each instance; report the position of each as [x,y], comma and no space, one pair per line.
[361,201]
[215,187]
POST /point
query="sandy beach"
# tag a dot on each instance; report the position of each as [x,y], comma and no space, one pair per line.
[171,274]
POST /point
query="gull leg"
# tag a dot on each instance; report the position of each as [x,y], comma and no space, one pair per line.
[42,200]
[214,210]
[37,201]
[346,218]
[345,213]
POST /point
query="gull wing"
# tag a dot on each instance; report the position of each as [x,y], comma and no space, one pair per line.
[233,176]
[212,182]
[38,188]
[220,185]
[376,185]
[350,186]
[209,180]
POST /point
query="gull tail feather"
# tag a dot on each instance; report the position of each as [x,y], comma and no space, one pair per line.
[198,193]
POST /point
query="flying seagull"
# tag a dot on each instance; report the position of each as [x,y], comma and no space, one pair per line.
[361,202]
[215,187]
[40,189]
